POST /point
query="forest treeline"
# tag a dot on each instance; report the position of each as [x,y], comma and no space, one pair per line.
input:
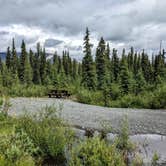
[106,78]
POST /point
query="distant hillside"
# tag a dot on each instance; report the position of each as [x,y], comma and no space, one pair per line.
[3,55]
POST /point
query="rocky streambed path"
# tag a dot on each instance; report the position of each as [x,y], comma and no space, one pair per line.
[147,127]
[141,121]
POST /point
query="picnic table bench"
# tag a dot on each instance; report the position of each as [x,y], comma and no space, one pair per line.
[58,94]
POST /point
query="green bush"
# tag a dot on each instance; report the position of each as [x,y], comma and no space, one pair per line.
[89,97]
[129,101]
[48,132]
[95,152]
[23,161]
[15,147]
[123,141]
[158,100]
[25,91]
[115,91]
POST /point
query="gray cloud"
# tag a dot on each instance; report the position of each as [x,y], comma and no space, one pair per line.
[2,33]
[52,42]
[132,22]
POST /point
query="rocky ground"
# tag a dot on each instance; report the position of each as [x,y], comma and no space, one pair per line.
[147,127]
[141,121]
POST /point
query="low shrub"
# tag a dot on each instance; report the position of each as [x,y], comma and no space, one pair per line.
[129,101]
[158,100]
[25,91]
[49,133]
[89,97]
[95,152]
[16,148]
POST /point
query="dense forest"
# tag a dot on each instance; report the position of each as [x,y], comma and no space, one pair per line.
[109,78]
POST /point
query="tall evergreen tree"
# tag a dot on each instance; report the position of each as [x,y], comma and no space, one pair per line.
[125,78]
[146,66]
[31,58]
[43,66]
[101,65]
[115,65]
[23,59]
[8,58]
[36,69]
[75,69]
[140,82]
[88,75]
[14,59]
[135,68]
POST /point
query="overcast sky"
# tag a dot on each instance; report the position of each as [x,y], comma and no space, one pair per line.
[60,24]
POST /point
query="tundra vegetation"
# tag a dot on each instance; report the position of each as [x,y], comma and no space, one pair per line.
[107,77]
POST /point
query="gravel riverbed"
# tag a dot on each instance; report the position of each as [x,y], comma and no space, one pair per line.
[147,127]
[141,121]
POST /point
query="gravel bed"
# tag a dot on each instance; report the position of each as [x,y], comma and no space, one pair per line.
[141,121]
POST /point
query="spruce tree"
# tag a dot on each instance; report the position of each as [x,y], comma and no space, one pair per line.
[135,70]
[14,59]
[43,66]
[140,82]
[115,65]
[36,69]
[28,71]
[74,69]
[23,59]
[88,76]
[101,65]
[159,68]
[8,58]
[31,58]
[131,59]
[125,78]
[146,66]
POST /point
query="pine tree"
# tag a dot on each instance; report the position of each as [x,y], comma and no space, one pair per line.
[125,78]
[43,66]
[107,53]
[55,59]
[131,59]
[28,72]
[146,67]
[159,68]
[115,65]
[79,69]
[88,76]
[23,59]
[36,69]
[49,73]
[135,68]
[75,69]
[14,59]
[70,66]
[8,58]
[140,82]
[7,77]
[31,58]
[59,64]
[101,65]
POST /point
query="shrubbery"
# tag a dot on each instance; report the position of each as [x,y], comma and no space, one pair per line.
[27,91]
[34,139]
[96,152]
[49,134]
[89,97]
[45,139]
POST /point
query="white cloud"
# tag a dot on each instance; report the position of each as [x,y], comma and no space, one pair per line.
[123,23]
